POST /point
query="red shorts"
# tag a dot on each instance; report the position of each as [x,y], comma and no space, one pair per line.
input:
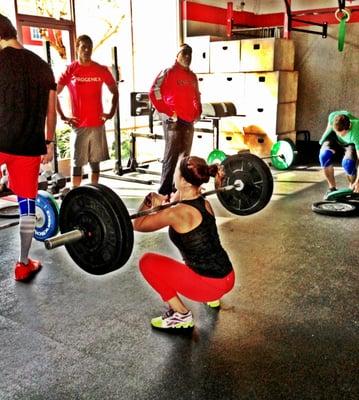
[170,277]
[23,173]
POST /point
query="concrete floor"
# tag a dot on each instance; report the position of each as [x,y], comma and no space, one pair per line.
[288,330]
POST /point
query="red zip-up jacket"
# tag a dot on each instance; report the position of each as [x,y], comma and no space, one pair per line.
[175,90]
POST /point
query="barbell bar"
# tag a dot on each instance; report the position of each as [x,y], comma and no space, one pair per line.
[282,155]
[77,234]
[96,227]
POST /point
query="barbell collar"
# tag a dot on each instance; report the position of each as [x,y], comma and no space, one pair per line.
[64,238]
[282,156]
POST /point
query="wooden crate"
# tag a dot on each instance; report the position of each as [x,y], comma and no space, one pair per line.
[288,135]
[274,86]
[270,54]
[225,56]
[200,52]
[272,118]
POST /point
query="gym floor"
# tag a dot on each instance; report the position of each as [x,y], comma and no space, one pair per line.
[288,330]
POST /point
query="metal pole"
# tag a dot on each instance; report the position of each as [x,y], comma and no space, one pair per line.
[48,57]
[118,164]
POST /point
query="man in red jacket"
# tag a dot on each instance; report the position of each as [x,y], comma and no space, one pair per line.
[176,97]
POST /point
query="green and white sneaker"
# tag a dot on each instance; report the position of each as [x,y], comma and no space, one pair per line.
[214,304]
[171,319]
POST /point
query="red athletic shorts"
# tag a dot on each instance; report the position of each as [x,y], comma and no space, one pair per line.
[170,277]
[23,173]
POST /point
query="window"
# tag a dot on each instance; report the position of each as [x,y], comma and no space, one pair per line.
[35,34]
[58,9]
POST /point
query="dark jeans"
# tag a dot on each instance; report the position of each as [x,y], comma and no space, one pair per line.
[178,139]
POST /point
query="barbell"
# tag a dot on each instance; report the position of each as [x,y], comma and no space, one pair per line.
[96,227]
[282,155]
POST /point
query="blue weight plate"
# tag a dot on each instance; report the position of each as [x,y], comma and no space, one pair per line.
[47,216]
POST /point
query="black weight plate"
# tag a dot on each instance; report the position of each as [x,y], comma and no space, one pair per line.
[256,184]
[98,211]
[334,208]
[125,222]
[10,211]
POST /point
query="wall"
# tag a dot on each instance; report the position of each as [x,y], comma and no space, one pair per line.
[146,42]
[328,79]
[273,6]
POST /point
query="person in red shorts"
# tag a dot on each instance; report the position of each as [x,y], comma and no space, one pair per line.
[84,79]
[206,273]
[27,105]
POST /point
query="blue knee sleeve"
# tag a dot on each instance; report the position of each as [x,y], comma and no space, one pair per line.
[349,166]
[26,206]
[326,158]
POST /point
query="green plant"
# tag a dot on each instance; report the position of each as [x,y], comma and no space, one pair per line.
[63,141]
[125,146]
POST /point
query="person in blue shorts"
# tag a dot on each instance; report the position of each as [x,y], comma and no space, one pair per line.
[341,134]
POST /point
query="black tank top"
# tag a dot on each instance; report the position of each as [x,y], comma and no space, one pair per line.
[201,248]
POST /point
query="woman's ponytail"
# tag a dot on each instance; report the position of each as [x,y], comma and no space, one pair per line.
[213,169]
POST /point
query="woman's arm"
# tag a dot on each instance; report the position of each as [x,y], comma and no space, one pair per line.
[155,221]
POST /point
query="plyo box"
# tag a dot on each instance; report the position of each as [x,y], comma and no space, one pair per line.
[200,52]
[275,86]
[270,54]
[225,56]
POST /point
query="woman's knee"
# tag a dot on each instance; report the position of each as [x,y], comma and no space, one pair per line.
[146,262]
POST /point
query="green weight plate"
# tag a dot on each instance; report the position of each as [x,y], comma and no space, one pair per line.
[216,156]
[101,214]
[339,194]
[254,180]
[282,154]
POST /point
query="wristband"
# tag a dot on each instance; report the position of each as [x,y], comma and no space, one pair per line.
[148,200]
[48,142]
